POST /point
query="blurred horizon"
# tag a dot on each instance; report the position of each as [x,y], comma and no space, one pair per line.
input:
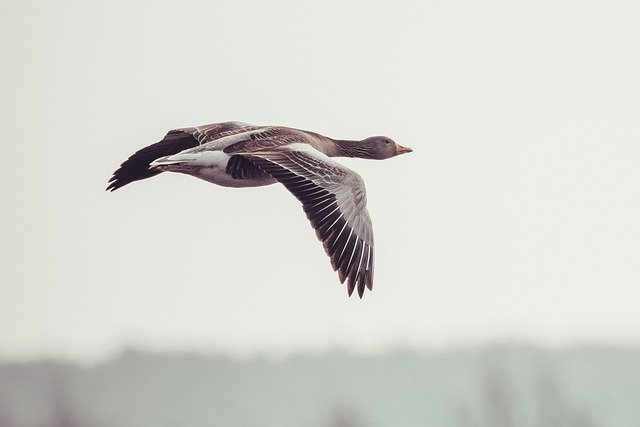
[276,356]
[495,386]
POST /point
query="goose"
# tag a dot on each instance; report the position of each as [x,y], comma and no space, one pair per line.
[235,154]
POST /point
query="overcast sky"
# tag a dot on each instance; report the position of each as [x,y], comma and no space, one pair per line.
[516,217]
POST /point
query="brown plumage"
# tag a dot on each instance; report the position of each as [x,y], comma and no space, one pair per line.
[239,155]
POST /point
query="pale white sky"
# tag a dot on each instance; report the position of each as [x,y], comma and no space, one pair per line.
[516,217]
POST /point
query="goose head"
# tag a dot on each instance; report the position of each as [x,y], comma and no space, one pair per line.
[382,147]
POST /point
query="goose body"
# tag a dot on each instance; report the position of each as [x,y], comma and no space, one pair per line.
[234,154]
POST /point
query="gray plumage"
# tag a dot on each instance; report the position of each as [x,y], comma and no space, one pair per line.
[235,154]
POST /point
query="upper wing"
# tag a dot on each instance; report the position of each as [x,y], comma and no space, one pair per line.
[334,200]
[136,167]
[268,138]
[208,133]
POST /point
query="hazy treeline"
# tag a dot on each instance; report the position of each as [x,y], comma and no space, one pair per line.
[495,386]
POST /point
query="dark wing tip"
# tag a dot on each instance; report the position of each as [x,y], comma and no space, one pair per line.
[116,181]
[136,167]
[360,290]
[361,282]
[350,287]
[368,279]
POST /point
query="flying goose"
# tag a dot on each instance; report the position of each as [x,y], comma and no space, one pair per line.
[234,154]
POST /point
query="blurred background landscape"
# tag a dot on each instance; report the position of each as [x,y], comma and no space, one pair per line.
[507,244]
[496,386]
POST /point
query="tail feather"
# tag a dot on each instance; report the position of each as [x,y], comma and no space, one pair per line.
[136,167]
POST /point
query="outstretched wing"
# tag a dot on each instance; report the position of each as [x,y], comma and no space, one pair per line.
[334,199]
[136,167]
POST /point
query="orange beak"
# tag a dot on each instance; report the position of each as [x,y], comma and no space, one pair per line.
[401,150]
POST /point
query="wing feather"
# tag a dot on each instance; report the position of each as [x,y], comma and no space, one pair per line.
[136,167]
[333,198]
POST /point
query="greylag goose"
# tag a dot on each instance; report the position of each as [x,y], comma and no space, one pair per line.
[234,154]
